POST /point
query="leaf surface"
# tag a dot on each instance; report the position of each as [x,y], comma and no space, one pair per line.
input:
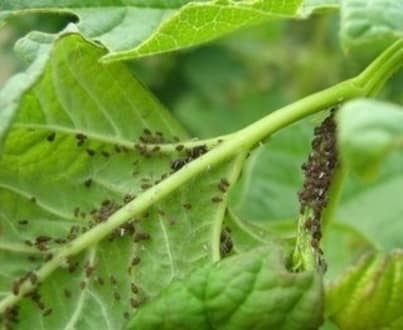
[377,280]
[371,25]
[69,160]
[368,132]
[251,290]
[151,27]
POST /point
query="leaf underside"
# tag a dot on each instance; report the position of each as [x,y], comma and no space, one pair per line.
[68,159]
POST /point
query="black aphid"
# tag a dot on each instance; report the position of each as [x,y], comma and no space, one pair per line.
[187,206]
[90,152]
[100,281]
[135,261]
[88,183]
[319,169]
[177,164]
[51,137]
[134,303]
[67,293]
[47,312]
[134,288]
[180,147]
[142,237]
[23,222]
[113,280]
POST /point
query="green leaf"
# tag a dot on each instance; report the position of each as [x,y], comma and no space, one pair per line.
[368,131]
[69,160]
[151,27]
[370,25]
[370,295]
[272,176]
[252,290]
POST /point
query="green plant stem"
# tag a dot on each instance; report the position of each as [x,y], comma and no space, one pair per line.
[241,141]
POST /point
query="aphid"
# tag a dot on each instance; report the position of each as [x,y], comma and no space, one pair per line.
[187,206]
[43,239]
[128,198]
[308,224]
[135,261]
[147,131]
[314,243]
[16,287]
[77,212]
[197,151]
[126,315]
[23,222]
[60,241]
[88,183]
[146,186]
[222,188]
[224,182]
[113,280]
[47,312]
[116,295]
[90,152]
[100,281]
[141,237]
[89,270]
[117,149]
[180,147]
[134,303]
[28,242]
[80,136]
[156,149]
[134,288]
[105,154]
[33,277]
[216,199]
[67,293]
[177,164]
[33,199]
[51,137]
[82,285]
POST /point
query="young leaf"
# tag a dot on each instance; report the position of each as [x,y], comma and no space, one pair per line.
[70,161]
[153,26]
[368,131]
[370,295]
[370,25]
[252,290]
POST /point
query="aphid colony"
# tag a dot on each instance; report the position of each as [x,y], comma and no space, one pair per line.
[318,169]
[107,207]
[191,154]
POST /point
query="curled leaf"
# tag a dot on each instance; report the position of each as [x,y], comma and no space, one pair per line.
[370,295]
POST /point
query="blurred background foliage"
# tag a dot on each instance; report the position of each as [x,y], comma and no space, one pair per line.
[223,86]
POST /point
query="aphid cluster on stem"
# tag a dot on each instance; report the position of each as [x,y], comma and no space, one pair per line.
[318,169]
[191,154]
